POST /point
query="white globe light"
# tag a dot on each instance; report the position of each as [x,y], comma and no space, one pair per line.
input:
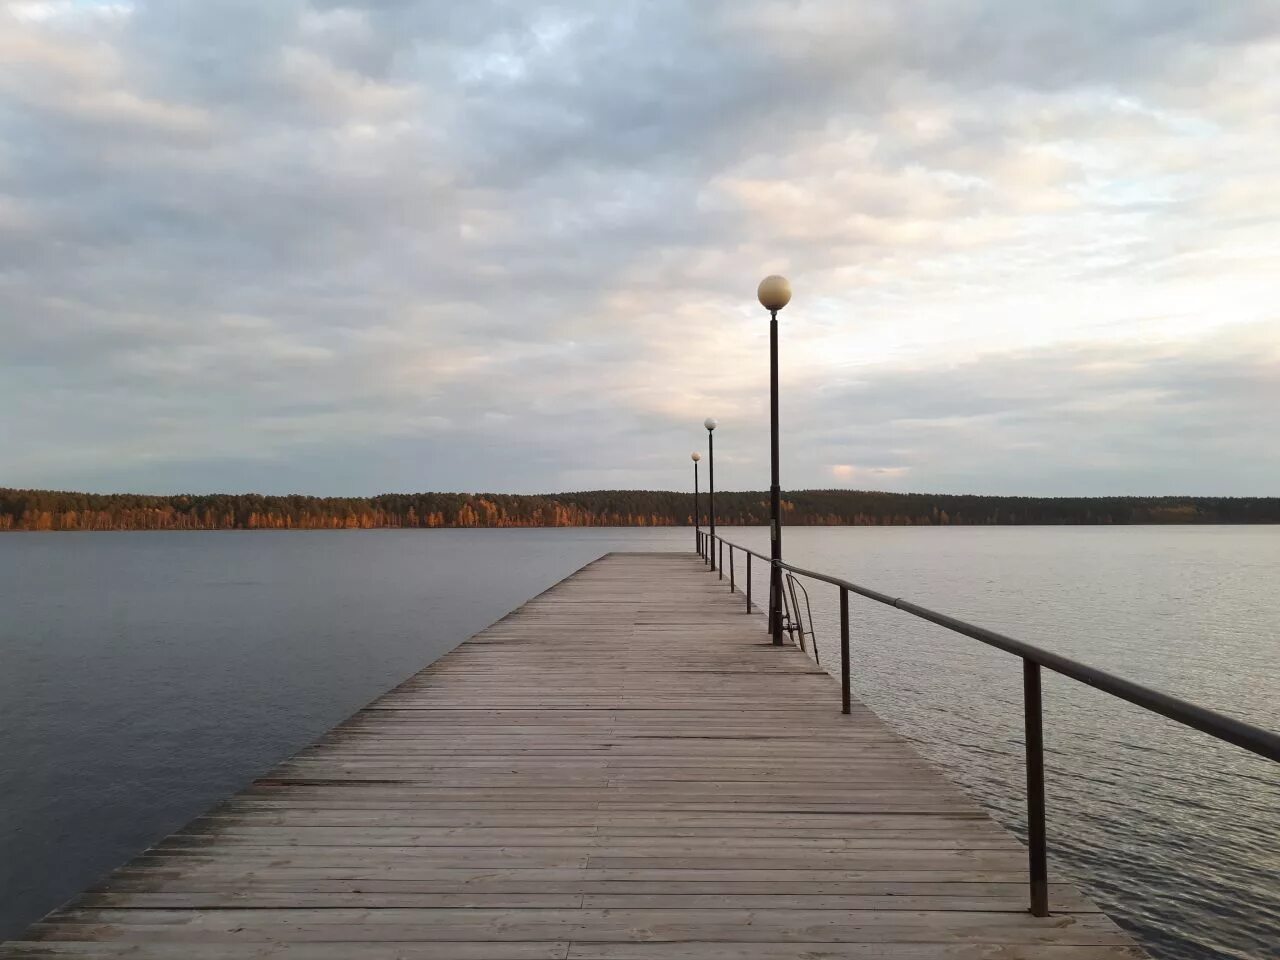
[709,423]
[695,456]
[774,292]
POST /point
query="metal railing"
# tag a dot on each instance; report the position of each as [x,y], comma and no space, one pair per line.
[1264,743]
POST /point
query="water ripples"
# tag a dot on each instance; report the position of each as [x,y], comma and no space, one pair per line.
[1176,835]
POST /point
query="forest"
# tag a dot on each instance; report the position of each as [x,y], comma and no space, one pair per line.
[56,510]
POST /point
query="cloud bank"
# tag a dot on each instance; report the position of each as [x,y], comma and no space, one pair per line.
[353,247]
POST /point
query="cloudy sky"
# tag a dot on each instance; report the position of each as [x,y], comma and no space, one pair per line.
[346,248]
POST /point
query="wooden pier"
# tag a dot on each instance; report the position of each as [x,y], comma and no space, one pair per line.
[621,769]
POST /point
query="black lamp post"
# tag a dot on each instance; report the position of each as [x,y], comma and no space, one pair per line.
[774,293]
[710,424]
[697,516]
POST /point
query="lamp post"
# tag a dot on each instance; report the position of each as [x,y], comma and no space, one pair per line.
[697,517]
[710,424]
[774,294]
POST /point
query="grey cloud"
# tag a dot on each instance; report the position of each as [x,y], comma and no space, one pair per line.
[1070,420]
[347,247]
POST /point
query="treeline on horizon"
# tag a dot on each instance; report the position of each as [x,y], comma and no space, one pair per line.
[55,510]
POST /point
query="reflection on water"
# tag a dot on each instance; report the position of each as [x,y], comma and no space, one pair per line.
[145,675]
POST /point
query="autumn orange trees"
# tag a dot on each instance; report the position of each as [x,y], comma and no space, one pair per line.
[54,510]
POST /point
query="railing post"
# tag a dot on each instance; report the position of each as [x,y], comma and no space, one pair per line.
[721,564]
[1037,855]
[772,587]
[846,695]
[748,582]
[731,569]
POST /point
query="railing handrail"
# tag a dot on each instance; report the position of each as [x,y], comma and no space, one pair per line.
[1256,740]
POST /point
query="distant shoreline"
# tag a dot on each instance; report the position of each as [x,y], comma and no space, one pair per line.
[670,526]
[49,510]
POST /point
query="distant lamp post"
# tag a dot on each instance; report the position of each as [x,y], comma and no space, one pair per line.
[774,294]
[710,424]
[697,516]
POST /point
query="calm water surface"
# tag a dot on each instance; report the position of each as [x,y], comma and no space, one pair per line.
[145,675]
[1176,835]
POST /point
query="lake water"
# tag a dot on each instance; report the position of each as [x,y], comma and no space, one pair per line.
[145,675]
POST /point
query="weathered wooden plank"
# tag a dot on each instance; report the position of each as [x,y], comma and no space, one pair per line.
[622,769]
[580,925]
[259,898]
[171,868]
[633,950]
[558,951]
[835,894]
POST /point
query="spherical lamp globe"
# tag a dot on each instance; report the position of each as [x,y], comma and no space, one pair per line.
[774,293]
[709,423]
[695,456]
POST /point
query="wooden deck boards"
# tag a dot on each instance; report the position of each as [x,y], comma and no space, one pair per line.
[621,769]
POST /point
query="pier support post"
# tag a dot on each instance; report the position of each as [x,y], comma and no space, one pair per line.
[1038,859]
[846,694]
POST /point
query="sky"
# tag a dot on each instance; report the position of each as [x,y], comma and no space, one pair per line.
[345,248]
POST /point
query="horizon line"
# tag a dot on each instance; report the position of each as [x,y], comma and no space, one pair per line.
[647,490]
